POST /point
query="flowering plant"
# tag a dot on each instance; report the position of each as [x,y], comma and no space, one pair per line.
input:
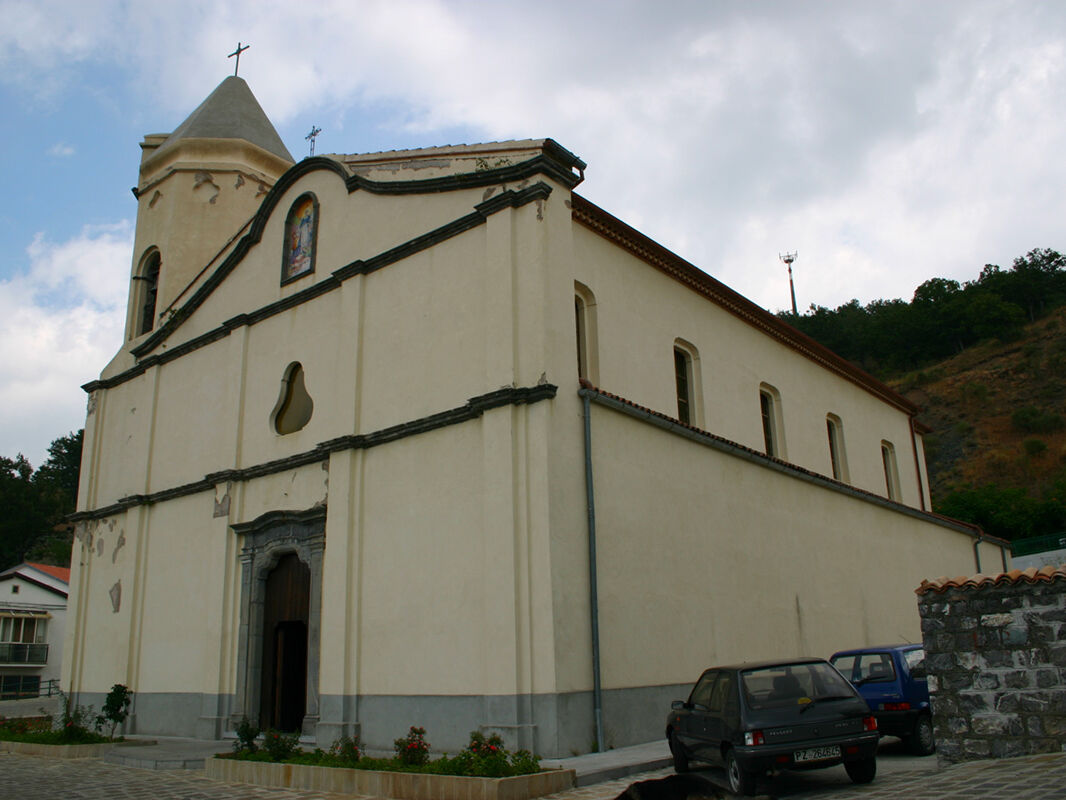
[412,749]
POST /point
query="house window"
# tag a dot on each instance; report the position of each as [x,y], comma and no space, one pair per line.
[301,238]
[295,406]
[145,290]
[837,456]
[888,460]
[585,326]
[22,630]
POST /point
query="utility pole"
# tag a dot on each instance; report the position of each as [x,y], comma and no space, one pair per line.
[788,258]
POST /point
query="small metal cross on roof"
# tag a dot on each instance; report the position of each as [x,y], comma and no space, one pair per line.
[237,53]
[312,136]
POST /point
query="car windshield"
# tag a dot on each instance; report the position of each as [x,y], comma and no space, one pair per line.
[792,685]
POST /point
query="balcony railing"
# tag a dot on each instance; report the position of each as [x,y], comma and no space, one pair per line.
[16,653]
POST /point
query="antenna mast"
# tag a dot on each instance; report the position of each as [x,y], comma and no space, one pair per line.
[788,258]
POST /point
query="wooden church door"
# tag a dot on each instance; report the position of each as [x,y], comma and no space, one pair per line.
[285,619]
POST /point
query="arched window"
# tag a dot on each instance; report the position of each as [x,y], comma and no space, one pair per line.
[773,431]
[838,458]
[295,406]
[145,291]
[687,383]
[585,325]
[888,460]
[301,238]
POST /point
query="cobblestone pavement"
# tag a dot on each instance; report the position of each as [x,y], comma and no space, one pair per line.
[1028,778]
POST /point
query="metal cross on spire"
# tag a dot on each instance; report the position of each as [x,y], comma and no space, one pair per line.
[237,53]
[312,136]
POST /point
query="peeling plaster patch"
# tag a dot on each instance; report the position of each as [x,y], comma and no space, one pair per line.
[116,596]
[262,190]
[90,404]
[100,546]
[83,534]
[540,209]
[240,181]
[488,193]
[204,184]
[118,545]
[222,504]
[155,198]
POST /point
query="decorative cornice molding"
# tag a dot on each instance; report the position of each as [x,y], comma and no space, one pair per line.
[471,410]
[651,252]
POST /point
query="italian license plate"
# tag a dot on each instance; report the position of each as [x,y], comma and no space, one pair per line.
[816,754]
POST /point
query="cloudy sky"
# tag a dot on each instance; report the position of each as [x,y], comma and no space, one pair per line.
[886,142]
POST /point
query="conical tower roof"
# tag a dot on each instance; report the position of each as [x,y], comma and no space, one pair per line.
[230,112]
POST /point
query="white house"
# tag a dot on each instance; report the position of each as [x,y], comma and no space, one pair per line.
[33,613]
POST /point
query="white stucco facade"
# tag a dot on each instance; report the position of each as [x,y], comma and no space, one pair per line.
[435,500]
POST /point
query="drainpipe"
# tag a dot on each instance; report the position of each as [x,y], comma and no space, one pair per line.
[597,689]
[976,552]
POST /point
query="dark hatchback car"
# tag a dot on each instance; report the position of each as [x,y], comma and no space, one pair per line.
[773,715]
[893,682]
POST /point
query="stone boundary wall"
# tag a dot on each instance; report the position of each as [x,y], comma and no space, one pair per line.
[995,651]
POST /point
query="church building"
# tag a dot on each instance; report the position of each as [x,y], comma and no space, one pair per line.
[425,437]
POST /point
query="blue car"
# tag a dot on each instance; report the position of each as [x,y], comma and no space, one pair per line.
[892,681]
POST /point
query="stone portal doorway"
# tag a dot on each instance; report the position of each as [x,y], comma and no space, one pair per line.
[279,639]
[285,621]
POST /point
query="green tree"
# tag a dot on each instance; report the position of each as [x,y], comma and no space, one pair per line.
[35,504]
[23,518]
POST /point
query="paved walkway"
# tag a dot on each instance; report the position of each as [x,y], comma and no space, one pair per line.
[1030,778]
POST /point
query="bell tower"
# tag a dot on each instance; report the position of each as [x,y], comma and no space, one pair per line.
[197,190]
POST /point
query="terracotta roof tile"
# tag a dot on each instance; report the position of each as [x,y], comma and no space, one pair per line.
[63,573]
[1015,576]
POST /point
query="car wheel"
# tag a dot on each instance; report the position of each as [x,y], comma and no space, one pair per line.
[921,741]
[861,771]
[678,752]
[740,780]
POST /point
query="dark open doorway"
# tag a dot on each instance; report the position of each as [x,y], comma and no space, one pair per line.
[285,617]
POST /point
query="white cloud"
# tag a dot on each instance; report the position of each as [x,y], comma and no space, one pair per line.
[60,322]
[61,150]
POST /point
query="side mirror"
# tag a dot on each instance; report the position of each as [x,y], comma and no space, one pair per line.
[677,705]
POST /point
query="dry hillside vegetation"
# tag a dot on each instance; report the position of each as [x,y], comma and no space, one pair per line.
[996,411]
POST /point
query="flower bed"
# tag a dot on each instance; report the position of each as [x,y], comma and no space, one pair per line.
[398,785]
[483,770]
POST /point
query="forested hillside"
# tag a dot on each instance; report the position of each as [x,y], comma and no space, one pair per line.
[986,361]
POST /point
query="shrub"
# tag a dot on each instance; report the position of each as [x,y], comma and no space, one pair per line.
[345,751]
[116,708]
[412,749]
[1032,420]
[280,745]
[1034,447]
[247,732]
[72,723]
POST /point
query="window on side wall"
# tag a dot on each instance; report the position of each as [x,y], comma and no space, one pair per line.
[888,460]
[585,328]
[683,381]
[838,458]
[770,410]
